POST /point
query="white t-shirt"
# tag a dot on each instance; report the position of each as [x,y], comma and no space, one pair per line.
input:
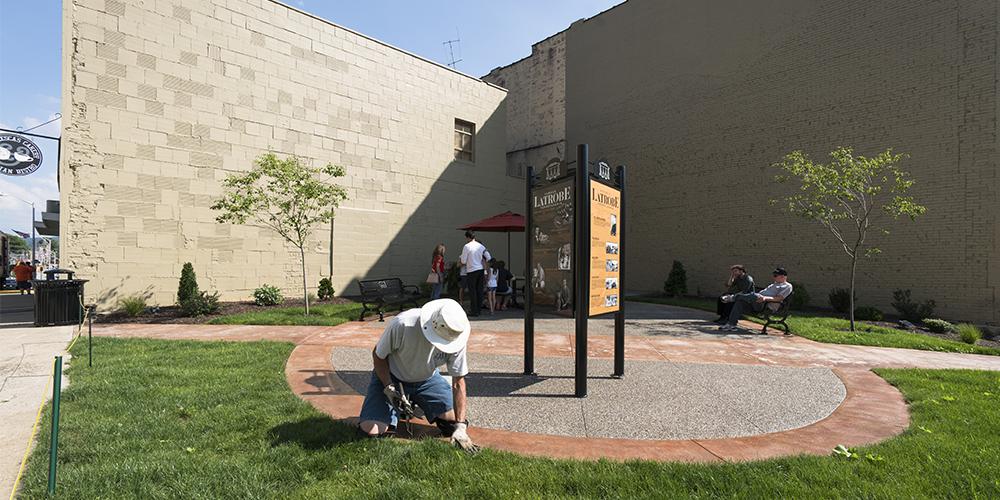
[472,256]
[782,290]
[411,357]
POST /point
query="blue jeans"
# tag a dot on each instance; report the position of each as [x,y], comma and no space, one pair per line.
[432,395]
[436,289]
[743,302]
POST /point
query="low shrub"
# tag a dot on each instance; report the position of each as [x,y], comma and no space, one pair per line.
[970,334]
[325,290]
[676,284]
[267,295]
[800,296]
[868,313]
[938,325]
[840,300]
[201,304]
[910,310]
[133,305]
[426,289]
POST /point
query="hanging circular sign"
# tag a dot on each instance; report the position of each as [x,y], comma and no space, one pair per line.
[18,155]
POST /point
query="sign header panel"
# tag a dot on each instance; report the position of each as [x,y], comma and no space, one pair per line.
[605,213]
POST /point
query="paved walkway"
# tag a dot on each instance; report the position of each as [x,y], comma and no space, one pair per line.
[660,338]
[25,370]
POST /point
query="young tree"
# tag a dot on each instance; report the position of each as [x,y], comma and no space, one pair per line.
[286,196]
[850,196]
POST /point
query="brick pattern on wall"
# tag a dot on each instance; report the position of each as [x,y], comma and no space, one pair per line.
[699,99]
[166,98]
[536,110]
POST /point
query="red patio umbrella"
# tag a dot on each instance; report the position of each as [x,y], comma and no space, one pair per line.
[507,222]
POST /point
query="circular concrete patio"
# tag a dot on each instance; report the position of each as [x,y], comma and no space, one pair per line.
[657,400]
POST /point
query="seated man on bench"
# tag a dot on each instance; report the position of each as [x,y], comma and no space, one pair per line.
[770,297]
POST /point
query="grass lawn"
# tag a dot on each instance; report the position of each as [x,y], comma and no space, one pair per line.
[173,419]
[835,330]
[319,314]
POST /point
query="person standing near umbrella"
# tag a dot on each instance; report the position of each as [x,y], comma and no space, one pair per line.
[472,259]
[437,267]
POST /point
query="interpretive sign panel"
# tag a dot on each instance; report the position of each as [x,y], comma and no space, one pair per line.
[552,246]
[605,211]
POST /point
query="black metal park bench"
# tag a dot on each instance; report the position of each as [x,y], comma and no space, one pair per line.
[773,318]
[376,295]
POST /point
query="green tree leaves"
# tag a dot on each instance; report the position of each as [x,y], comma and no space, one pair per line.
[285,195]
[850,196]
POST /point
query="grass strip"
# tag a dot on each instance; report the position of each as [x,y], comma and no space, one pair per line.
[180,419]
[833,330]
[319,314]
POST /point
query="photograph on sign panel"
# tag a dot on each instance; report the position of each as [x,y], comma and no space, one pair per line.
[610,301]
[611,266]
[611,248]
[611,283]
[614,225]
[565,257]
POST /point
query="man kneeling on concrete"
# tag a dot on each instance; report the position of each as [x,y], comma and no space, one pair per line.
[406,360]
[770,297]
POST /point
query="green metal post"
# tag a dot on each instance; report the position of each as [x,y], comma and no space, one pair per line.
[90,338]
[54,442]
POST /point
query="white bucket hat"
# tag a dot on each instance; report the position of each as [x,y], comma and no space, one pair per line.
[445,325]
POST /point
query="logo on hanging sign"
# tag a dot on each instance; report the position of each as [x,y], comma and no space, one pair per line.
[604,171]
[18,155]
[552,169]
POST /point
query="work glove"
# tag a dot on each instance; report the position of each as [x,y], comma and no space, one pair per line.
[460,438]
[392,395]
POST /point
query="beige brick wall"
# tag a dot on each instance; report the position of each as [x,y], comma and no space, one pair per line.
[699,98]
[536,111]
[162,100]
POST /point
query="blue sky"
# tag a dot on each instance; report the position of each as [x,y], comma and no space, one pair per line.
[492,34]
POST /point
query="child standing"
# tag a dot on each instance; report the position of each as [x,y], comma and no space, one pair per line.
[491,285]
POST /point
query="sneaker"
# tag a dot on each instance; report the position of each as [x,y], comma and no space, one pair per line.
[727,328]
[728,299]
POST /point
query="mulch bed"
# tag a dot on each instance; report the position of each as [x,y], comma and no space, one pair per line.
[172,314]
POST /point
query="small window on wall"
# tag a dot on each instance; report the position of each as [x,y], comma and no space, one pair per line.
[465,144]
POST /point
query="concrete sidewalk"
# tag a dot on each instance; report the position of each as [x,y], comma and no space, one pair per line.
[25,370]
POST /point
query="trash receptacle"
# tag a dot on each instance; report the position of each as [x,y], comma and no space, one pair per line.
[58,301]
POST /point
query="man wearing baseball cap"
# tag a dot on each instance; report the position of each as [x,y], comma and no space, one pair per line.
[412,347]
[770,297]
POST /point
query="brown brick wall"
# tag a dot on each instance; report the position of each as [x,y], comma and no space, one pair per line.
[700,98]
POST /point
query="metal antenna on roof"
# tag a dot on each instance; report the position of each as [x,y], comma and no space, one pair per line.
[451,50]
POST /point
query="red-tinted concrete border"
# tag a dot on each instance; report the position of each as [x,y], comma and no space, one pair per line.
[872,411]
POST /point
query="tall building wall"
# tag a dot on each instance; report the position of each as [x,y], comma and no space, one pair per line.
[162,100]
[536,112]
[699,98]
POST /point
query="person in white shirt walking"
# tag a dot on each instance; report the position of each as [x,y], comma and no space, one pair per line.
[474,255]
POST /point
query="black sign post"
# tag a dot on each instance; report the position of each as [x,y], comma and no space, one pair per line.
[620,314]
[582,265]
[529,299]
[558,250]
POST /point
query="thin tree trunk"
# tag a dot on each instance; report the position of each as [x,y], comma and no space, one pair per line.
[305,291]
[854,268]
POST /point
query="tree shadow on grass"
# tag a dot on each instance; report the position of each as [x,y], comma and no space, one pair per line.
[314,433]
